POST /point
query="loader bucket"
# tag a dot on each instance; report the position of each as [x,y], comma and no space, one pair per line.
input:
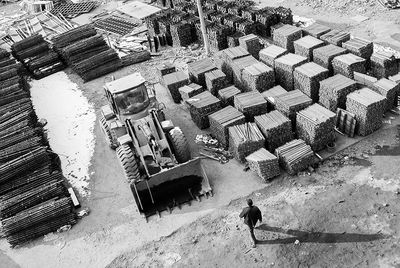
[170,188]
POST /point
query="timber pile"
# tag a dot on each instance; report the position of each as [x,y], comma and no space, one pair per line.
[135,57]
[307,78]
[246,27]
[198,69]
[251,43]
[324,55]
[336,37]
[269,54]
[306,45]
[226,95]
[218,36]
[72,36]
[165,68]
[295,156]
[368,108]
[220,122]
[333,91]
[292,102]
[383,64]
[190,90]
[284,15]
[245,139]
[215,80]
[316,126]
[201,106]
[267,17]
[233,39]
[316,30]
[264,163]
[4,54]
[228,56]
[347,64]
[174,81]
[238,66]
[346,122]
[258,77]
[365,80]
[359,47]
[284,68]
[276,128]
[388,89]
[395,78]
[270,94]
[250,104]
[286,35]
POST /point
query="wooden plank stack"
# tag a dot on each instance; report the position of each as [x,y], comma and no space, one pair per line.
[292,102]
[368,108]
[228,56]
[347,64]
[307,78]
[221,120]
[276,128]
[395,78]
[190,90]
[388,89]
[286,35]
[365,80]
[295,156]
[251,43]
[360,47]
[165,68]
[270,94]
[226,95]
[284,68]
[245,139]
[201,106]
[346,122]
[237,67]
[336,37]
[233,39]
[316,30]
[333,91]
[305,46]
[181,34]
[174,81]
[258,77]
[324,55]
[215,80]
[383,64]
[316,126]
[250,104]
[264,163]
[198,69]
[269,54]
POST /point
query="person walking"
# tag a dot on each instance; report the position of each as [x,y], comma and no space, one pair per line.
[251,215]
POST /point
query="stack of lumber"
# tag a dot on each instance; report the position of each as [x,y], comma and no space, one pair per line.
[246,27]
[135,57]
[284,15]
[190,90]
[250,104]
[324,55]
[359,47]
[336,37]
[165,68]
[251,43]
[365,80]
[383,64]
[316,30]
[333,91]
[72,36]
[198,69]
[270,94]
[238,66]
[269,54]
[307,78]
[395,78]
[264,163]
[388,89]
[220,122]
[226,95]
[228,56]
[286,35]
[258,77]
[233,39]
[181,34]
[267,17]
[276,128]
[292,102]
[305,46]
[215,80]
[346,122]
[368,108]
[201,106]
[174,81]
[218,36]
[316,126]
[295,156]
[245,139]
[347,64]
[284,68]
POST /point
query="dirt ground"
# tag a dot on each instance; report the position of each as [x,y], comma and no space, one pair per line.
[344,214]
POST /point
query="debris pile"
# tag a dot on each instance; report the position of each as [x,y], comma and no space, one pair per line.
[264,163]
[250,104]
[295,156]
[347,64]
[333,91]
[201,106]
[284,68]
[307,78]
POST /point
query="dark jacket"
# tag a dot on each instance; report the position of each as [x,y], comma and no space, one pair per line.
[251,215]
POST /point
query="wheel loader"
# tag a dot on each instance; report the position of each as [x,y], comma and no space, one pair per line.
[154,154]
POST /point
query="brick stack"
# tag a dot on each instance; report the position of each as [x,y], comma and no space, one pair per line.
[269,54]
[284,68]
[316,30]
[237,67]
[333,91]
[198,69]
[251,104]
[251,43]
[368,108]
[292,102]
[388,89]
[226,95]
[324,55]
[263,163]
[220,122]
[307,78]
[270,94]
[295,156]
[216,80]
[286,35]
[173,82]
[359,47]
[347,64]
[383,64]
[258,77]
[245,139]
[305,46]
[190,90]
[336,37]
[201,106]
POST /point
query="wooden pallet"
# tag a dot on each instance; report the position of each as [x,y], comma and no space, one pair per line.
[74,9]
[345,122]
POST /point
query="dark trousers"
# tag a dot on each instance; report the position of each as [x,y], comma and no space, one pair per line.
[253,237]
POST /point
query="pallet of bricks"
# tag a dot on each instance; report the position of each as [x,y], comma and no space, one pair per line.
[37,57]
[33,197]
[86,52]
[295,156]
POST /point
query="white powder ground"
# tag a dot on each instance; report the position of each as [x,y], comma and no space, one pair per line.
[71,119]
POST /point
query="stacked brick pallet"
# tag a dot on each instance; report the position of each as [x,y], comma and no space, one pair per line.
[258,77]
[295,156]
[306,45]
[389,90]
[174,81]
[201,106]
[316,30]
[263,163]
[227,95]
[307,78]
[333,91]
[245,139]
[250,104]
[286,35]
[292,102]
[324,55]
[383,64]
[198,69]
[270,94]
[336,37]
[359,47]
[284,68]
[347,64]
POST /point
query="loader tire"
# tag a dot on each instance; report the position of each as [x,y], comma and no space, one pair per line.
[110,139]
[180,145]
[128,163]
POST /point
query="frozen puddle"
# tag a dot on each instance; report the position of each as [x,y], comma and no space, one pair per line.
[71,120]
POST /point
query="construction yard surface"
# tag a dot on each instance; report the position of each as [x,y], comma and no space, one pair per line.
[345,213]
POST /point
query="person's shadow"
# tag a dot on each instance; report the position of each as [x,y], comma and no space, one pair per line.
[316,237]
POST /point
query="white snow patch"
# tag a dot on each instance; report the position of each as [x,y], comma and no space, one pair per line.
[303,21]
[71,119]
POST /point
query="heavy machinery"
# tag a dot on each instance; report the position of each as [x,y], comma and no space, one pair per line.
[154,155]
